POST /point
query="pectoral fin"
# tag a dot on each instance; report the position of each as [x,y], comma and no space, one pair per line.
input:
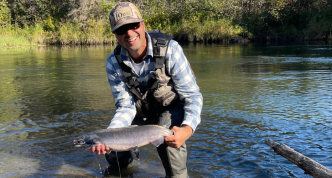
[158,141]
[136,152]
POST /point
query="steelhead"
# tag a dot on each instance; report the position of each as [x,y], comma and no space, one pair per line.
[125,138]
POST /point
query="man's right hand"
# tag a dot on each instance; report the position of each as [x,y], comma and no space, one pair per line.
[100,149]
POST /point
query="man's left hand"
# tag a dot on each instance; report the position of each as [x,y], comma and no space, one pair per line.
[181,134]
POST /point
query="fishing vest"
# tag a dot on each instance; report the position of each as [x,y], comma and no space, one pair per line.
[159,92]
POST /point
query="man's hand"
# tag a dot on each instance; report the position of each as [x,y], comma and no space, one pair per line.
[100,149]
[181,134]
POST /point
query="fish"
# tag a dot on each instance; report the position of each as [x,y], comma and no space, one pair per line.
[125,138]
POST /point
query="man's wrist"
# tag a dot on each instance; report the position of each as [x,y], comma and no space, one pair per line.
[188,128]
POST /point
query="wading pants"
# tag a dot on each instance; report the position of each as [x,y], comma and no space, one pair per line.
[174,160]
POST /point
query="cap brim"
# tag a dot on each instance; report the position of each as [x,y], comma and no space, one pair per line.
[126,22]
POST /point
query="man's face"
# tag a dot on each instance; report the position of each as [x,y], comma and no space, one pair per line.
[132,37]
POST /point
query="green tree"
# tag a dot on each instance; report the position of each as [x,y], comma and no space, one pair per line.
[5,15]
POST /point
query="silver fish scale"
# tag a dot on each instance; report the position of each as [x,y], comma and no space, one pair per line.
[126,138]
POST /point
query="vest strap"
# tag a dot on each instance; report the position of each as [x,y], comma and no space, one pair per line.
[131,81]
[160,43]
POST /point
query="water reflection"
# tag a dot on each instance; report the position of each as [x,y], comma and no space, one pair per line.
[49,96]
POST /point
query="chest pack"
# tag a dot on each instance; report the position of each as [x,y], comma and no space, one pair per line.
[159,91]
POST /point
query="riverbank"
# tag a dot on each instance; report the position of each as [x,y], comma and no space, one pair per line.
[222,31]
[99,33]
[66,34]
[86,22]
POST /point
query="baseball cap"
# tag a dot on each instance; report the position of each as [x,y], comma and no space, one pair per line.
[124,13]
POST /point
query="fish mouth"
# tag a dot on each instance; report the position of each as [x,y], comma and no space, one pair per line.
[79,143]
[83,143]
[86,141]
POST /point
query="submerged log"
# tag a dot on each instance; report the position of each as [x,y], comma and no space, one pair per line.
[307,164]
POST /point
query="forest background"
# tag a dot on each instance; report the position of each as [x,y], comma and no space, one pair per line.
[76,22]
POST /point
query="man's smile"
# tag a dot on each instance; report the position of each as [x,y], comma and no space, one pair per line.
[132,39]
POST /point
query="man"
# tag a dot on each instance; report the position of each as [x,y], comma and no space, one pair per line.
[152,83]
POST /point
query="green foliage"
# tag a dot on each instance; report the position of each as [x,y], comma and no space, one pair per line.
[320,25]
[86,21]
[221,30]
[161,14]
[36,34]
[69,33]
[198,20]
[273,19]
[93,33]
[48,24]
[106,7]
[14,36]
[97,33]
[29,12]
[5,15]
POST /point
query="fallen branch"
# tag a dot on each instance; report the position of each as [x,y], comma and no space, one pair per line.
[307,164]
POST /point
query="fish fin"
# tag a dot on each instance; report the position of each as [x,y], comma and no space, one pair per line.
[158,141]
[136,152]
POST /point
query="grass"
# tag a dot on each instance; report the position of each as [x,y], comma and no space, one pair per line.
[97,32]
[200,21]
[11,41]
[221,30]
[14,37]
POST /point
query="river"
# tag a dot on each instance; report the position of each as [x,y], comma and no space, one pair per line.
[50,96]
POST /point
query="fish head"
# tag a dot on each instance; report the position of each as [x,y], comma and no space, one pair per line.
[87,141]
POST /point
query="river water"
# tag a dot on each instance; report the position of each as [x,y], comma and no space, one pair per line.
[50,96]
